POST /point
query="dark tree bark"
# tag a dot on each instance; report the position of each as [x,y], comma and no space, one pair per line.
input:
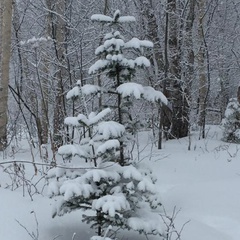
[238,94]
[174,85]
[5,48]
[58,30]
[203,85]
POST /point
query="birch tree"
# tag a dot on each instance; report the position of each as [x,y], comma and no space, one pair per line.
[5,46]
[188,60]
[201,56]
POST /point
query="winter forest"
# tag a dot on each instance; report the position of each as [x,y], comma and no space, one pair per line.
[119,119]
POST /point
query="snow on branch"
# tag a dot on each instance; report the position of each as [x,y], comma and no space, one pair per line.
[124,19]
[111,129]
[115,19]
[101,18]
[121,19]
[34,40]
[100,238]
[53,188]
[108,145]
[101,64]
[72,121]
[153,95]
[138,91]
[96,175]
[146,185]
[110,204]
[74,92]
[130,172]
[142,62]
[92,119]
[87,89]
[95,119]
[90,89]
[83,119]
[72,189]
[128,89]
[113,34]
[138,44]
[72,150]
[112,43]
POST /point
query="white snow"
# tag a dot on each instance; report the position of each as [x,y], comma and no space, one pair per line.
[114,43]
[128,89]
[98,65]
[35,40]
[92,119]
[110,204]
[146,185]
[131,172]
[116,16]
[101,18]
[153,95]
[99,116]
[142,62]
[85,90]
[128,63]
[100,238]
[96,175]
[138,91]
[127,19]
[110,129]
[117,57]
[152,226]
[74,92]
[73,188]
[108,145]
[113,34]
[90,89]
[138,44]
[203,183]
[72,121]
[99,50]
[72,150]
[53,188]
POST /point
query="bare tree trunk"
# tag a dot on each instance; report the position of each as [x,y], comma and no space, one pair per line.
[153,34]
[164,121]
[57,11]
[157,74]
[189,73]
[224,84]
[202,70]
[5,47]
[222,62]
[174,86]
[238,94]
[45,122]
[189,66]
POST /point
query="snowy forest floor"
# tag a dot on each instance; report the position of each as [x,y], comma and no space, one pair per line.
[202,184]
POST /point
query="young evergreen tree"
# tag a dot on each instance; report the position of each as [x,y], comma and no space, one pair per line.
[107,180]
[231,122]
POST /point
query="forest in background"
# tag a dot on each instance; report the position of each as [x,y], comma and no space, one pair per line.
[47,46]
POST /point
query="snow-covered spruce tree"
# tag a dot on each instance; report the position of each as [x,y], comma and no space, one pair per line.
[98,175]
[231,122]
[121,70]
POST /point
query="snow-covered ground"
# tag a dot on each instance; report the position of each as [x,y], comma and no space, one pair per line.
[203,184]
